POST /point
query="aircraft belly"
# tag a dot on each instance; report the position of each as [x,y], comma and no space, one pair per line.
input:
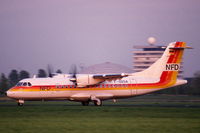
[122,93]
[41,95]
[101,94]
[24,95]
[55,94]
[145,91]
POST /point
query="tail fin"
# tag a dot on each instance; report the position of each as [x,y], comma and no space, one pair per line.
[169,62]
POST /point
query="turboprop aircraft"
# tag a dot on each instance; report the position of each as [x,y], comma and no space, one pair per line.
[86,88]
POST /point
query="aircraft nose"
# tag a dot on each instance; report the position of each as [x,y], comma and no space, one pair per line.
[9,93]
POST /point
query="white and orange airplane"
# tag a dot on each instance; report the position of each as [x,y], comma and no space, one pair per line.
[95,88]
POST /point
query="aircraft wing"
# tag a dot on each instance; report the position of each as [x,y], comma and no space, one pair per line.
[94,79]
[109,76]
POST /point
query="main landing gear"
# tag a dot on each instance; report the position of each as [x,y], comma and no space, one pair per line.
[85,103]
[97,102]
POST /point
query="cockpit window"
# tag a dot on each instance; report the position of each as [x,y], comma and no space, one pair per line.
[19,84]
[29,84]
[23,84]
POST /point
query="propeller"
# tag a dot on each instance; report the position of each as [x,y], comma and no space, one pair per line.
[50,70]
[73,72]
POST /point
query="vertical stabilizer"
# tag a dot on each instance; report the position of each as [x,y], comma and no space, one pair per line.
[169,62]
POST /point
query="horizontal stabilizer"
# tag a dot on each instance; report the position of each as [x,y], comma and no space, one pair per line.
[187,47]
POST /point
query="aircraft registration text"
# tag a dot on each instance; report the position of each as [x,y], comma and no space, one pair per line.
[172,67]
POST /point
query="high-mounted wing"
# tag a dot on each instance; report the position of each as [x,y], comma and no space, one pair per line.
[84,80]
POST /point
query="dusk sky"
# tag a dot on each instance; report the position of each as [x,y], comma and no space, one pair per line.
[34,33]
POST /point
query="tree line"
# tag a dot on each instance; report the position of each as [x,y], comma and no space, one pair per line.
[15,76]
[191,88]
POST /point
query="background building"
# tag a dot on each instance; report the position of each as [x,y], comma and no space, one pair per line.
[145,55]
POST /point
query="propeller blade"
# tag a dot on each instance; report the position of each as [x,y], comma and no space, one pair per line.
[50,70]
[73,72]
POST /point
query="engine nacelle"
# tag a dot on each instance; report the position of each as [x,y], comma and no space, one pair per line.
[84,80]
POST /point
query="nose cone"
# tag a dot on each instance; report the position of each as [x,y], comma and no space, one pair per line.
[9,93]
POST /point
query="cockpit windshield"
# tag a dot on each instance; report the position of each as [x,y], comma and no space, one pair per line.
[19,84]
[23,84]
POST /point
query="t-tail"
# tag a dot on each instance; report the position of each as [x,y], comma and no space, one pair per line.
[165,70]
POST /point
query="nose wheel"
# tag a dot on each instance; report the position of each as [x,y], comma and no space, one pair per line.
[20,102]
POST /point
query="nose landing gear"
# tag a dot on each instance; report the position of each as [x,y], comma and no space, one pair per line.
[20,102]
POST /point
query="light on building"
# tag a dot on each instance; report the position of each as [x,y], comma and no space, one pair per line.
[151,40]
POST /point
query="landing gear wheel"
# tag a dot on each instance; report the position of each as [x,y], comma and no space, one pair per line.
[85,103]
[20,104]
[98,103]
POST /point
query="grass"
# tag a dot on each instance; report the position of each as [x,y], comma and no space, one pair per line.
[60,117]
